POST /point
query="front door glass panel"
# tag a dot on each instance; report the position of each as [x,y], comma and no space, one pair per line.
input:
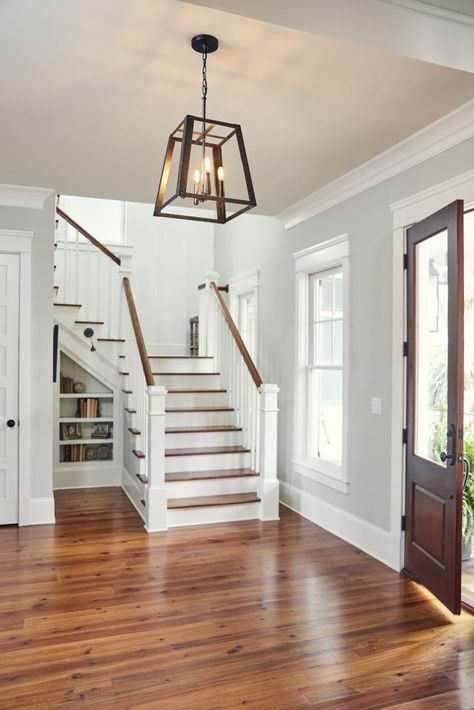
[431,345]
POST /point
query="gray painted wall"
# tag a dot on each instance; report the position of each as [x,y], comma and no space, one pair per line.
[261,242]
[42,223]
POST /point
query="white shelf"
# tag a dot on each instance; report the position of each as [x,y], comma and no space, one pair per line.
[87,395]
[72,442]
[73,420]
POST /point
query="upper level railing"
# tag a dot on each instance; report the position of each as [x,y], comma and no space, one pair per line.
[88,236]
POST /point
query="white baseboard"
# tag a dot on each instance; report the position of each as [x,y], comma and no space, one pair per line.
[375,541]
[42,511]
[86,477]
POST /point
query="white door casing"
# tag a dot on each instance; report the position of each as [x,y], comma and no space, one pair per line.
[9,351]
[405,213]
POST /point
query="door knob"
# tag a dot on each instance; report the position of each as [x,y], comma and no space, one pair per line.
[11,423]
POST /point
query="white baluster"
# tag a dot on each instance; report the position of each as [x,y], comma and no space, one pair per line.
[76,267]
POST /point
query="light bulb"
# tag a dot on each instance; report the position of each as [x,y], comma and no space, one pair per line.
[207,164]
[220,173]
[197,177]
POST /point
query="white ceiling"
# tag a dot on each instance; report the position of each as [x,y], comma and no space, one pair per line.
[90,91]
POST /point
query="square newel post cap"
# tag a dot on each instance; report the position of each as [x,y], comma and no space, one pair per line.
[211,276]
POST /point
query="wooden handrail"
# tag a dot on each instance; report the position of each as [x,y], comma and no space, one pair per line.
[149,379]
[221,288]
[237,337]
[88,236]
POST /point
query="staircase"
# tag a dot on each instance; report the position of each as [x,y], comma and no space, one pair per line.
[199,432]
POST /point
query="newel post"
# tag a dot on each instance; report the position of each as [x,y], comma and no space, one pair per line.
[125,269]
[207,316]
[156,491]
[268,486]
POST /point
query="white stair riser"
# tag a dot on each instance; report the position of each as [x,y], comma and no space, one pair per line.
[182,419]
[208,438]
[189,382]
[211,487]
[170,364]
[206,462]
[198,399]
[213,514]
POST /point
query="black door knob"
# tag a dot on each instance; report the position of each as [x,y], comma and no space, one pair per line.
[11,423]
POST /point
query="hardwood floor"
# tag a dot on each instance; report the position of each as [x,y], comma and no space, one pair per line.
[95,613]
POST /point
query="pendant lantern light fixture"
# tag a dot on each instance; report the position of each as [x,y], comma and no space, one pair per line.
[206,164]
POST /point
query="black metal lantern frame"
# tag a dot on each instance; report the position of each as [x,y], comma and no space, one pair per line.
[218,133]
[211,139]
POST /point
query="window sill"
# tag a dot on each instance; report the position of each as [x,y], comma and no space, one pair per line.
[338,483]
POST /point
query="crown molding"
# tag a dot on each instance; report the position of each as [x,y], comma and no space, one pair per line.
[22,196]
[433,11]
[445,133]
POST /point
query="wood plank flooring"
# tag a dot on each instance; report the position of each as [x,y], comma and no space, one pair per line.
[95,613]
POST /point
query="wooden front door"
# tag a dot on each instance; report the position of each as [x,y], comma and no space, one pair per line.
[434,449]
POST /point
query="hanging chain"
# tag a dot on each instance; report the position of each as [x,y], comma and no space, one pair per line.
[204,100]
[204,84]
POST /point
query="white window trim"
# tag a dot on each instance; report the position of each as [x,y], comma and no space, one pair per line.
[249,282]
[326,255]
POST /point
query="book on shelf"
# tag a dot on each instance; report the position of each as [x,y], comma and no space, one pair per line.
[66,385]
[73,453]
[88,408]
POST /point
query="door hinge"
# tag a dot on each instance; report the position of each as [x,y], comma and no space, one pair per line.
[405,348]
[404,436]
[404,523]
[405,261]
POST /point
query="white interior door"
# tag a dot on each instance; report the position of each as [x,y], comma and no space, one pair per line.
[9,321]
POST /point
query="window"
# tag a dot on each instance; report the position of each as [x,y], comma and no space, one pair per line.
[325,366]
[322,376]
[243,306]
[104,219]
[246,320]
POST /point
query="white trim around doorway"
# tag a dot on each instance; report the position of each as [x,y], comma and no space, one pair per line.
[13,241]
[405,213]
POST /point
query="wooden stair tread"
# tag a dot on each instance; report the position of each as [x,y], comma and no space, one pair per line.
[143,502]
[210,475]
[193,391]
[124,373]
[135,432]
[127,391]
[203,450]
[121,356]
[138,454]
[68,305]
[141,478]
[206,501]
[175,410]
[197,429]
[111,340]
[130,410]
[89,322]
